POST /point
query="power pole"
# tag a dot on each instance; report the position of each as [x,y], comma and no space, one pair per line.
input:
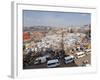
[62,42]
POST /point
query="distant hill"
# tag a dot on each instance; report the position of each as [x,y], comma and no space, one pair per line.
[37,28]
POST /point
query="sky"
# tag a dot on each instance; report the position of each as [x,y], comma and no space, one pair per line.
[54,19]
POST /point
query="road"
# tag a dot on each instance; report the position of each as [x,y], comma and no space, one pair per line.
[38,66]
[77,62]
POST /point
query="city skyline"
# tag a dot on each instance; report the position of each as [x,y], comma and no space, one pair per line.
[54,19]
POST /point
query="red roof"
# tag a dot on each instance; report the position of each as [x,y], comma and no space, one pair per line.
[26,36]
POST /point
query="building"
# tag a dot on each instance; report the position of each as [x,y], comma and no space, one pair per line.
[26,36]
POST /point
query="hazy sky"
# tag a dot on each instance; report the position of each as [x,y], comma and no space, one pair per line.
[49,18]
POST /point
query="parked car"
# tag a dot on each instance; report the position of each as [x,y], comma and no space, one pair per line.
[40,60]
[87,51]
[80,54]
[69,59]
[47,56]
[53,63]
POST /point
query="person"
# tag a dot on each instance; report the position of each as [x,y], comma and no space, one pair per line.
[81,47]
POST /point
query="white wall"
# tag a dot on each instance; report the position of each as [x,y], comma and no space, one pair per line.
[5,39]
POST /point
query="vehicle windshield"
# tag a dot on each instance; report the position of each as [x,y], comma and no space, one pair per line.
[80,54]
[69,59]
[53,63]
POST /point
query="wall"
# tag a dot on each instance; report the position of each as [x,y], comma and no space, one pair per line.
[5,40]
